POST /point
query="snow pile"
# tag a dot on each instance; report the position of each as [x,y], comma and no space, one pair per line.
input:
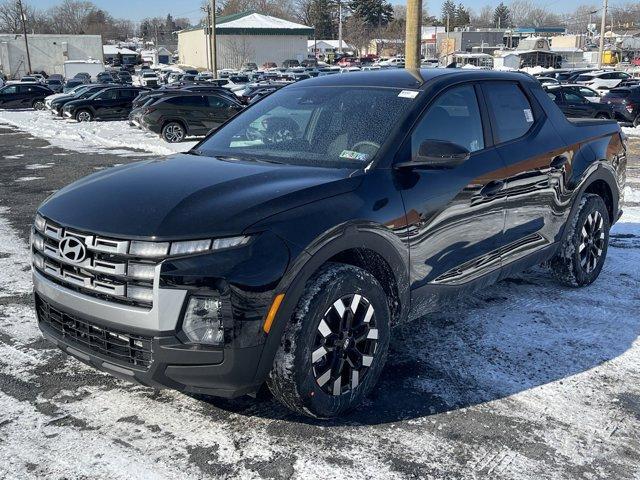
[90,137]
[631,131]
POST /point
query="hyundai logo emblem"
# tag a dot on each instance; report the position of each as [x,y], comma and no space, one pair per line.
[72,249]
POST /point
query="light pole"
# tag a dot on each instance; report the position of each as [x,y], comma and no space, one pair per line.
[413,34]
[24,31]
[212,48]
[339,26]
[605,4]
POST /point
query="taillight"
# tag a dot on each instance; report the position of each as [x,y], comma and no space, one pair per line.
[149,110]
[630,106]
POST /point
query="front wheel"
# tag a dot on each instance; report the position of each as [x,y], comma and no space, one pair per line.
[84,116]
[38,105]
[173,132]
[581,256]
[335,346]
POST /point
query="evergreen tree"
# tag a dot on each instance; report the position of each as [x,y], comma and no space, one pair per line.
[502,16]
[463,17]
[374,13]
[449,9]
[323,16]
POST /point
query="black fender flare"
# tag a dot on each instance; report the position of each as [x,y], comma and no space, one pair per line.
[376,238]
[601,171]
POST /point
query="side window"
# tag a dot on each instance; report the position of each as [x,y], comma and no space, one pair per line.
[10,90]
[555,95]
[512,112]
[573,97]
[108,95]
[217,102]
[454,117]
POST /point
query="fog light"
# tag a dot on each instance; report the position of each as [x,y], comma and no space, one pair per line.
[38,261]
[202,322]
[38,242]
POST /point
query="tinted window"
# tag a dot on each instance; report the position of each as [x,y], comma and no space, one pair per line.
[588,93]
[454,117]
[584,78]
[128,93]
[217,102]
[573,97]
[513,115]
[11,89]
[187,101]
[107,95]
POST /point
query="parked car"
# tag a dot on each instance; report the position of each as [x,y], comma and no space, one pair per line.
[587,92]
[73,83]
[29,79]
[251,90]
[603,80]
[268,65]
[193,114]
[83,75]
[106,77]
[124,77]
[575,105]
[290,63]
[24,96]
[547,81]
[283,247]
[625,103]
[108,104]
[55,85]
[249,67]
[149,79]
[56,106]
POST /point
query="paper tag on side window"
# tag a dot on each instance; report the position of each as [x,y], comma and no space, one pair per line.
[528,115]
[408,94]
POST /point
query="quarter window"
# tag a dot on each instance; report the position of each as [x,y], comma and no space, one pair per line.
[454,117]
[512,112]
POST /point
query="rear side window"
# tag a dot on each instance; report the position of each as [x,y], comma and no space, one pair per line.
[454,117]
[584,78]
[217,102]
[187,101]
[512,112]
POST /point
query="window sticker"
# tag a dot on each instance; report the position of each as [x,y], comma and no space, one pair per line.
[351,155]
[528,115]
[408,94]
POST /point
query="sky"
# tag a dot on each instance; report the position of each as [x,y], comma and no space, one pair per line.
[138,9]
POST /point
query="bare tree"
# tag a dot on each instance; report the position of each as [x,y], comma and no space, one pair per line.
[526,13]
[71,16]
[484,19]
[239,51]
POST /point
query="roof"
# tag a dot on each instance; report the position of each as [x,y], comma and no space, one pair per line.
[331,43]
[114,50]
[540,30]
[407,78]
[254,23]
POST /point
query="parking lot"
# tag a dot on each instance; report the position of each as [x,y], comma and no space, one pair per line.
[526,380]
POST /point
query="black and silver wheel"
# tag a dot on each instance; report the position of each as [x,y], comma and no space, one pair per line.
[603,116]
[335,346]
[84,116]
[173,132]
[581,257]
[38,105]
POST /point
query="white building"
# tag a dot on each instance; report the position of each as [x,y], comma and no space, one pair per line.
[322,47]
[48,52]
[245,37]
[111,53]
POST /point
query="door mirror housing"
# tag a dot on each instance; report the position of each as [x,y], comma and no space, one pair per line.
[437,154]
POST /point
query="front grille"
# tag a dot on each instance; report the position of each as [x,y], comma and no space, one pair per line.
[106,270]
[122,348]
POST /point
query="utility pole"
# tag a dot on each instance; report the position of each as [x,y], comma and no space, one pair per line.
[447,61]
[24,31]
[207,41]
[339,26]
[212,48]
[605,4]
[413,34]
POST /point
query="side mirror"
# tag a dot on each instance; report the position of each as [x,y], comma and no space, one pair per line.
[437,154]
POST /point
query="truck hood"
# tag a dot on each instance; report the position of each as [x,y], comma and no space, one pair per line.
[190,197]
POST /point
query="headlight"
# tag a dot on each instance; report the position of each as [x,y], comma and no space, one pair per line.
[149,249]
[202,322]
[183,248]
[229,242]
[40,222]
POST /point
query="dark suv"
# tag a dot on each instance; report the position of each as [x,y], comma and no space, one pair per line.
[625,103]
[575,105]
[182,115]
[108,104]
[284,246]
[24,96]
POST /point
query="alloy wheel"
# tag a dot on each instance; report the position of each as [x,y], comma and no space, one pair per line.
[592,239]
[345,345]
[173,133]
[84,117]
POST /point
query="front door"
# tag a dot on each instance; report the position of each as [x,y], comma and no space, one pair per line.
[455,216]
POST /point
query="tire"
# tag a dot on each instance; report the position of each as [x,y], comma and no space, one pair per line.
[636,121]
[173,132]
[313,348]
[84,116]
[38,105]
[603,116]
[581,256]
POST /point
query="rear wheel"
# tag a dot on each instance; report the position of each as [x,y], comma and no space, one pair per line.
[335,346]
[38,105]
[603,116]
[84,116]
[581,257]
[173,132]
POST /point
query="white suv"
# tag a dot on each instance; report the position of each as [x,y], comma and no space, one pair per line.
[604,80]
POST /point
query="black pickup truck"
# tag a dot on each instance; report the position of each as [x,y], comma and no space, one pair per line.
[284,246]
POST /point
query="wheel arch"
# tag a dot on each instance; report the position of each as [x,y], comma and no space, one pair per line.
[365,246]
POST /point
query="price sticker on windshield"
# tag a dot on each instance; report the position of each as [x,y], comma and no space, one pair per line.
[351,155]
[408,94]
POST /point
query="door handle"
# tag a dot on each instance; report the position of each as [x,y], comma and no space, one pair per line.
[492,188]
[558,162]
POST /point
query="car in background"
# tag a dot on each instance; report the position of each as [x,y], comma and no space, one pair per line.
[74,90]
[547,81]
[194,114]
[588,92]
[149,79]
[124,77]
[625,102]
[268,65]
[247,94]
[29,79]
[73,83]
[575,105]
[55,85]
[349,62]
[23,96]
[603,80]
[397,62]
[290,63]
[249,67]
[83,75]
[105,77]
[108,104]
[56,106]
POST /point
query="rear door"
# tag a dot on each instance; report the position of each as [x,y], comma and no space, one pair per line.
[536,159]
[577,105]
[219,111]
[106,103]
[125,101]
[9,97]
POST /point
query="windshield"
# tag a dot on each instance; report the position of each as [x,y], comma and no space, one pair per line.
[340,127]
